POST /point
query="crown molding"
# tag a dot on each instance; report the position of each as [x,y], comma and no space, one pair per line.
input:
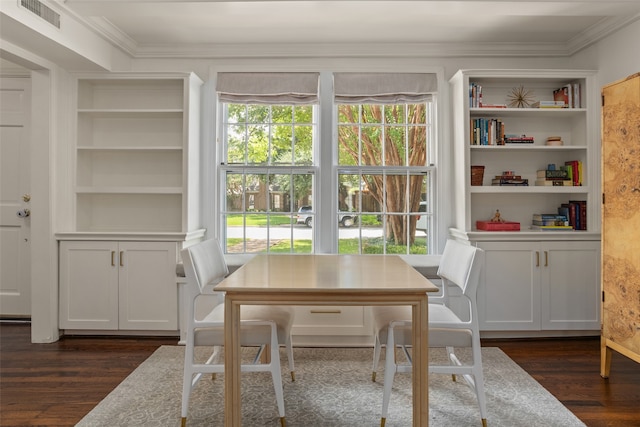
[323,50]
[599,31]
[113,34]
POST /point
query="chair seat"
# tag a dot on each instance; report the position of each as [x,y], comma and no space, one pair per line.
[251,334]
[439,316]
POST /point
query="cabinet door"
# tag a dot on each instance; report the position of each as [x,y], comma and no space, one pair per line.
[147,283]
[570,285]
[88,285]
[509,292]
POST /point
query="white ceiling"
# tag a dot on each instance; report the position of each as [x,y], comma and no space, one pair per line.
[215,28]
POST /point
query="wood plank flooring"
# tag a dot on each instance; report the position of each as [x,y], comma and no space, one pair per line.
[57,384]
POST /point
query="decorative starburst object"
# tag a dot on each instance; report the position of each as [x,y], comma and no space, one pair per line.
[519,97]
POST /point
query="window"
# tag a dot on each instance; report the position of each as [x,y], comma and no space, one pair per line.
[383,151]
[268,124]
[268,175]
[383,177]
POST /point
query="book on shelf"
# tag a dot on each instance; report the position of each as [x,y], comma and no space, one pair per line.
[518,139]
[570,94]
[564,94]
[508,181]
[548,216]
[493,106]
[486,131]
[552,174]
[576,212]
[551,227]
[554,183]
[577,95]
[548,104]
[574,171]
[581,213]
[558,220]
[475,95]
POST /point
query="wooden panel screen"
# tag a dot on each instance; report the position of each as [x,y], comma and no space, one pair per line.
[621,220]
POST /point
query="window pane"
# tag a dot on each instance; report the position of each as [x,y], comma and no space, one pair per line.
[234,192]
[371,145]
[258,144]
[371,113]
[236,144]
[257,113]
[348,145]
[394,114]
[282,144]
[303,147]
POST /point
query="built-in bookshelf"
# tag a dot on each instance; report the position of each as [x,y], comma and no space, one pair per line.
[136,153]
[540,281]
[521,140]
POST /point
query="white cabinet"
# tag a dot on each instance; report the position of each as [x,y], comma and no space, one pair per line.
[540,286]
[106,285]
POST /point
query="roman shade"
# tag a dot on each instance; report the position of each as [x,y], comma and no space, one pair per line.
[268,88]
[383,88]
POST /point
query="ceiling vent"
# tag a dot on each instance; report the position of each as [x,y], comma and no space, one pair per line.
[43,11]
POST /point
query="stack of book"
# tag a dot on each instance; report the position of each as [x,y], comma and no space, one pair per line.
[548,104]
[553,177]
[509,178]
[518,139]
[550,222]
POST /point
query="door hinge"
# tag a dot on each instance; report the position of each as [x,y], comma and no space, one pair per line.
[603,198]
[603,100]
[602,296]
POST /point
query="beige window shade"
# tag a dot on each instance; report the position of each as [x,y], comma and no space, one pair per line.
[383,88]
[268,88]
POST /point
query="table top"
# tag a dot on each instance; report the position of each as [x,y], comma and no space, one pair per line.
[317,273]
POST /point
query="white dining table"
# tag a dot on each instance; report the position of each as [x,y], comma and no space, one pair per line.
[324,279]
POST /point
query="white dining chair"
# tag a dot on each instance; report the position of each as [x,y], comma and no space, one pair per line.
[460,266]
[263,327]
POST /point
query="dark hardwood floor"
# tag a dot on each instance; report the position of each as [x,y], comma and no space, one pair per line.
[57,384]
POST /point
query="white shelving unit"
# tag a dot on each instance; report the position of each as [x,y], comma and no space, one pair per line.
[136,185]
[528,272]
[136,147]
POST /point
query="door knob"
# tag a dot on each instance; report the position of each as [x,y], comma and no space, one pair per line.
[23,213]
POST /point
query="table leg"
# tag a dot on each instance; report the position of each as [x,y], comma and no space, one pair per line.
[232,414]
[420,319]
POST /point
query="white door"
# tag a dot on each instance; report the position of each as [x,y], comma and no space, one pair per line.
[15,283]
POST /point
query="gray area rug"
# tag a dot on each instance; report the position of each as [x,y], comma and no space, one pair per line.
[333,388]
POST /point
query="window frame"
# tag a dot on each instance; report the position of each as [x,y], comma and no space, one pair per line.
[324,152]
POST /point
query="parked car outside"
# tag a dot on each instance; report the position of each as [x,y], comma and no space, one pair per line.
[345,219]
[421,224]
